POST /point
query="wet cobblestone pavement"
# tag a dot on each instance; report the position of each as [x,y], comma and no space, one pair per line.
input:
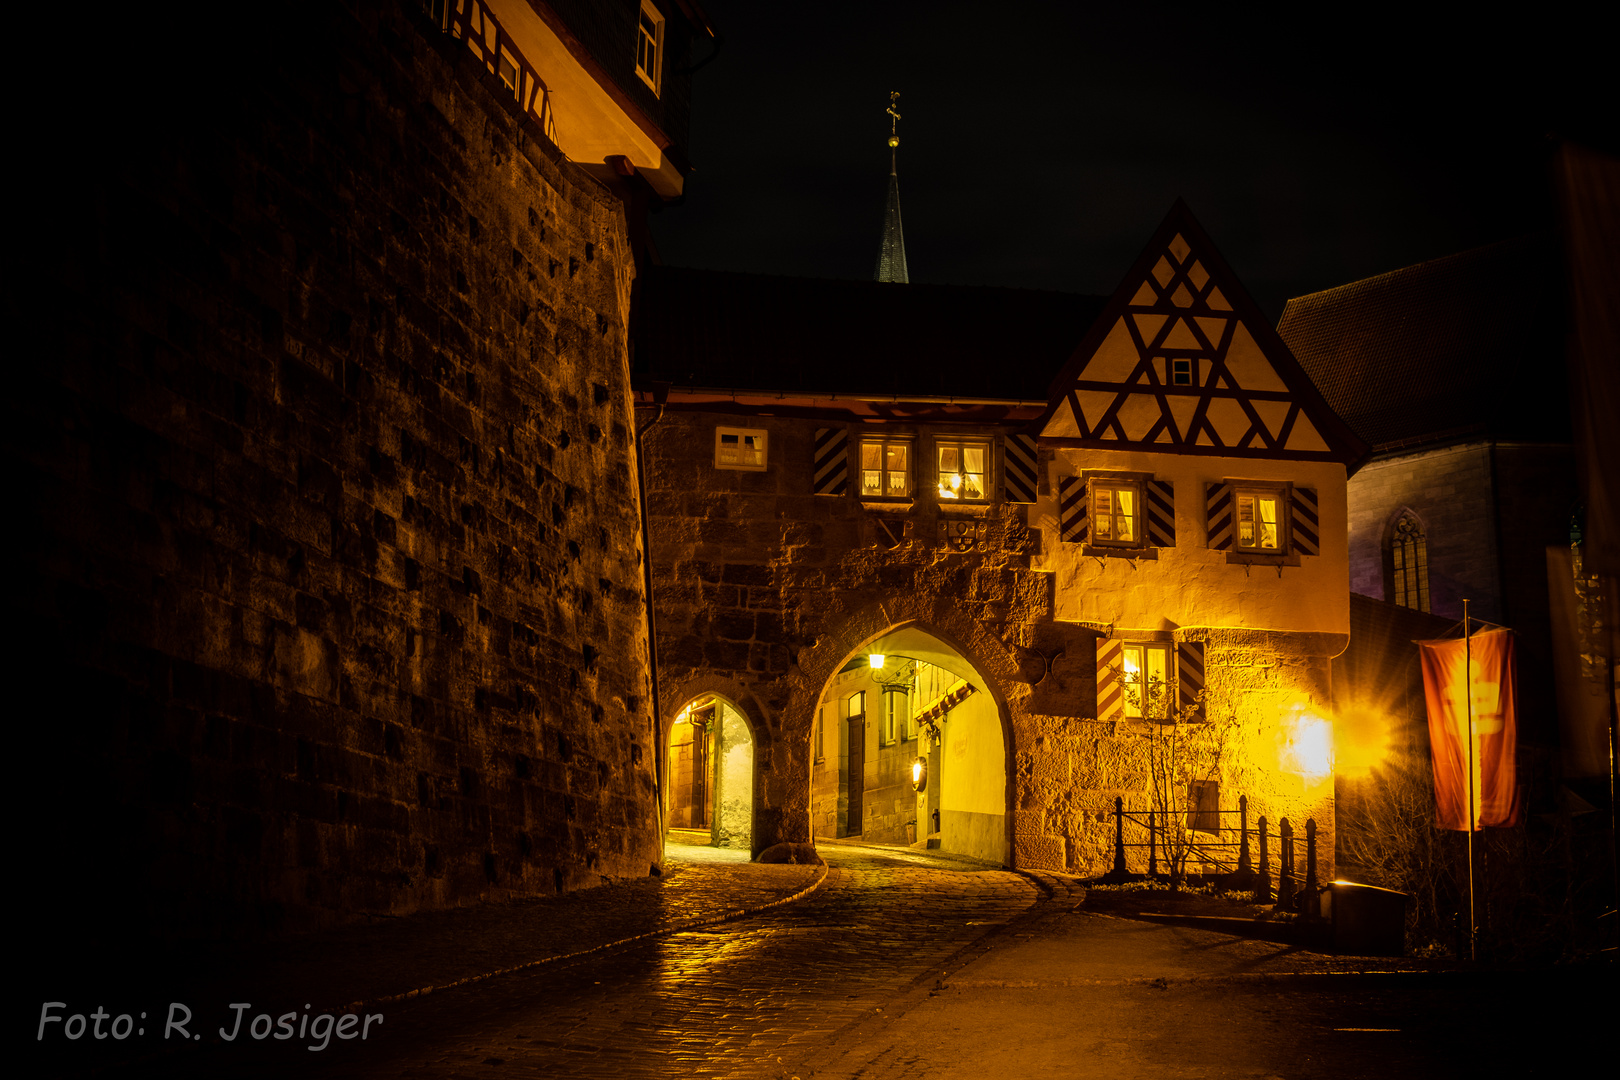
[748,998]
[897,965]
[745,997]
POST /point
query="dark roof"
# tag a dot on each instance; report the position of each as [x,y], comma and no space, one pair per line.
[1468,344]
[710,328]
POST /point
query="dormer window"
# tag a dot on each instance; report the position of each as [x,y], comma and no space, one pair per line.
[650,45]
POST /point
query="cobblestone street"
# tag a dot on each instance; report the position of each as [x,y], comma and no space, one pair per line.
[889,964]
[742,998]
[736,997]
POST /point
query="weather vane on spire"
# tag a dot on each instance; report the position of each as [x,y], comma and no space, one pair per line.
[894,134]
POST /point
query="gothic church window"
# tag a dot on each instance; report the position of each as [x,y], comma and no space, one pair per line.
[1409,564]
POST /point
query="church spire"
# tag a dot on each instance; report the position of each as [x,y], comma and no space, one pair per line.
[891,263]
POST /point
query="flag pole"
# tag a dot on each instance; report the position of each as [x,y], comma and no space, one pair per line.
[1468,693]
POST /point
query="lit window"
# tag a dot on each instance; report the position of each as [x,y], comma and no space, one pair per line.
[821,734]
[963,468]
[1149,693]
[857,705]
[650,45]
[1259,526]
[885,469]
[1409,564]
[1116,509]
[739,448]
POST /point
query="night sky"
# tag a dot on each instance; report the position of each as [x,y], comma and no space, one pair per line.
[1042,143]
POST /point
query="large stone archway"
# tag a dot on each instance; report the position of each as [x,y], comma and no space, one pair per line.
[848,633]
[924,704]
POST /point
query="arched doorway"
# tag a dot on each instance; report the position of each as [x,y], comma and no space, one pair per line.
[709,796]
[908,747]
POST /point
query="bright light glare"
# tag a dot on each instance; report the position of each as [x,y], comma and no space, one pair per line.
[1312,747]
[876,660]
[1361,739]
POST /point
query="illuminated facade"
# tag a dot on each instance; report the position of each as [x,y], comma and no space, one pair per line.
[1062,523]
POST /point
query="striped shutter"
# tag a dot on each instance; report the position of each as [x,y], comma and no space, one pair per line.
[1218,515]
[1190,675]
[1018,471]
[1307,532]
[1072,510]
[832,461]
[1110,686]
[1161,513]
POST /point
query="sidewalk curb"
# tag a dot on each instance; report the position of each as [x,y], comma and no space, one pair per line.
[684,924]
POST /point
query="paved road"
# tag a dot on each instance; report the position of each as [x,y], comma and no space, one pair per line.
[744,998]
[747,997]
[900,966]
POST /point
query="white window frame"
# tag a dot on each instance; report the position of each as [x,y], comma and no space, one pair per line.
[650,45]
[894,720]
[949,490]
[1137,667]
[1138,517]
[1255,492]
[742,457]
[885,475]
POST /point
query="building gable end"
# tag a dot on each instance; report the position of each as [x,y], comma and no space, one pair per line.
[1182,361]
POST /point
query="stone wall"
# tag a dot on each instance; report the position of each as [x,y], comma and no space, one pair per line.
[1450,489]
[332,552]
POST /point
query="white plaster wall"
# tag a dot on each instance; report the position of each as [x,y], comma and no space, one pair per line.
[975,758]
[735,782]
[1189,584]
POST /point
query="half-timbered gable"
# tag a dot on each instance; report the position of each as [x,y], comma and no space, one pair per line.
[1181,359]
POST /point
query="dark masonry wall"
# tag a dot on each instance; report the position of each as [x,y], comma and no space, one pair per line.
[323,481]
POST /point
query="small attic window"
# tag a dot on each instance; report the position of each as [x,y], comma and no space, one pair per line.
[1181,372]
[739,448]
[650,45]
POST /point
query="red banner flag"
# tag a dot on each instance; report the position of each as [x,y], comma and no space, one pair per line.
[1492,679]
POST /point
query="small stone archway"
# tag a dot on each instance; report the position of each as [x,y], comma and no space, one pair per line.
[712,748]
[931,703]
